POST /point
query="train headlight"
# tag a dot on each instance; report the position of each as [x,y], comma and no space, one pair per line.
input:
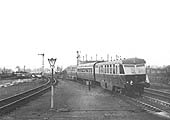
[131,82]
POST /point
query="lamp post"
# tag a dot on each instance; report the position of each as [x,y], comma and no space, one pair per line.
[52,63]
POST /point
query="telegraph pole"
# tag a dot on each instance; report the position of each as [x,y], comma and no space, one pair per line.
[42,63]
[78,58]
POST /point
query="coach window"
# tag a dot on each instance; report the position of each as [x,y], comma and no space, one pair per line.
[113,68]
[110,69]
[101,69]
[107,68]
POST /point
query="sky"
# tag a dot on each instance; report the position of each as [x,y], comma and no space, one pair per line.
[59,28]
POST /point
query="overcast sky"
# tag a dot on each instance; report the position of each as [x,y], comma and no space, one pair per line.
[58,28]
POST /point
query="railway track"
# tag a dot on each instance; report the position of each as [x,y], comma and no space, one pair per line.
[150,108]
[159,97]
[154,101]
[152,104]
[158,94]
[10,103]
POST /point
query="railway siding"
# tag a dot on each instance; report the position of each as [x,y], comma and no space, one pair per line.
[20,87]
[8,104]
[158,98]
[160,102]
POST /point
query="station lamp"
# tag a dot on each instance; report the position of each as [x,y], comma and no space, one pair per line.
[52,65]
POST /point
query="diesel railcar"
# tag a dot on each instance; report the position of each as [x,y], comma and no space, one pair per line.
[127,76]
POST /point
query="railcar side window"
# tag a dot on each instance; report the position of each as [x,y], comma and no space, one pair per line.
[110,69]
[101,69]
[113,68]
[121,69]
[107,68]
[116,69]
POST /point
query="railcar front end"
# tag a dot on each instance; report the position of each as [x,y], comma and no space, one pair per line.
[135,75]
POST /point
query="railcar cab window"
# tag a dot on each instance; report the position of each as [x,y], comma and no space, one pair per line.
[129,69]
[140,69]
[135,69]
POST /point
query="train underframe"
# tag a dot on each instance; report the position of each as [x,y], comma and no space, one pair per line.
[130,90]
[134,90]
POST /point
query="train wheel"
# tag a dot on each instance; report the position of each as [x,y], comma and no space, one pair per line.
[120,90]
[113,88]
[141,91]
[124,91]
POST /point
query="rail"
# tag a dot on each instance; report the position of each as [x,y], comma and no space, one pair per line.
[150,108]
[163,96]
[157,92]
